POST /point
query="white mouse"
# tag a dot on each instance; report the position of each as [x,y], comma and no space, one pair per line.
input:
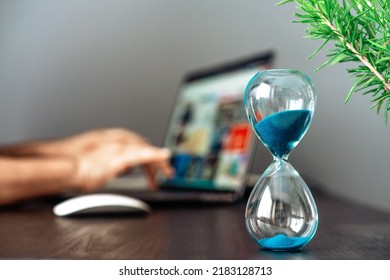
[100,203]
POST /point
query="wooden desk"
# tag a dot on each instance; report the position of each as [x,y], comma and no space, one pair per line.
[30,231]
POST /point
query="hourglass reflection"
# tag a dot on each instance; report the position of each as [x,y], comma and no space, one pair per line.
[281,213]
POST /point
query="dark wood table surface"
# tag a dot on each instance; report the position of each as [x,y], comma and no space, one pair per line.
[198,232]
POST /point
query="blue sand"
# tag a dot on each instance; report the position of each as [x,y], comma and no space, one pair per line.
[282,131]
[283,242]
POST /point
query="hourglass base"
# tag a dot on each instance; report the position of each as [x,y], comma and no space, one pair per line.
[281,214]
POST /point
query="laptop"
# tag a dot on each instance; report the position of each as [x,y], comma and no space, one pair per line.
[209,136]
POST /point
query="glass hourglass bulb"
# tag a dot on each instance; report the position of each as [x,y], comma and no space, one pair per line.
[281,213]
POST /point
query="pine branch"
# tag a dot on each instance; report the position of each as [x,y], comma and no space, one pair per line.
[360,30]
[362,58]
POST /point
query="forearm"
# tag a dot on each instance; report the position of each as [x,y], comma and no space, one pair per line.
[33,149]
[22,149]
[34,177]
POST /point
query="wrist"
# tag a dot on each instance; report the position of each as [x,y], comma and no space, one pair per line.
[85,177]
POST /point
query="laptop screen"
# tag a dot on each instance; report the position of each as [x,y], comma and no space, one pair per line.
[208,134]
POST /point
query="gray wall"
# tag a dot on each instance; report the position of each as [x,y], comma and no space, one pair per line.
[68,66]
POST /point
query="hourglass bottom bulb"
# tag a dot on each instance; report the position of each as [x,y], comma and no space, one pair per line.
[281,213]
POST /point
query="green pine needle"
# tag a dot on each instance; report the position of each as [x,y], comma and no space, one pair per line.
[360,30]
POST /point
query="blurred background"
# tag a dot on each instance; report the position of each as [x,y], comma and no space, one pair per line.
[70,66]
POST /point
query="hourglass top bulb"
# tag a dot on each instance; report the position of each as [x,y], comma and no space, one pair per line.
[280,105]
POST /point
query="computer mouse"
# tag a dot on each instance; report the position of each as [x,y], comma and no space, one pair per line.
[101,203]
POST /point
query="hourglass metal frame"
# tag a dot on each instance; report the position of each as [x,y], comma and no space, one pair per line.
[281,213]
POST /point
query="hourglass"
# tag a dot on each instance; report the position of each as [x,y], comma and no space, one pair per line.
[281,213]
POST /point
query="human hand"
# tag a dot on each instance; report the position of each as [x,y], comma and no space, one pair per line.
[101,155]
[81,163]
